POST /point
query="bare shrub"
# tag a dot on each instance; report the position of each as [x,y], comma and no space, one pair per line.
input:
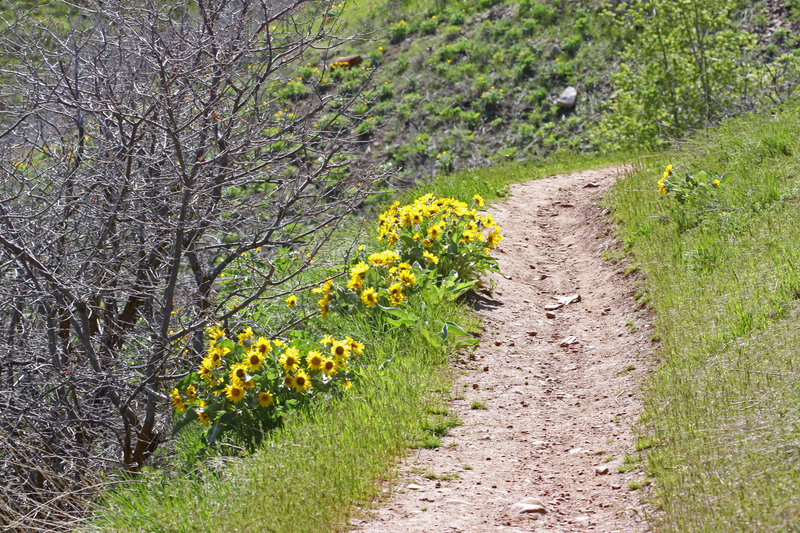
[144,147]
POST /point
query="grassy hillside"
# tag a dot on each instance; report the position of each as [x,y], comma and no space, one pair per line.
[463,84]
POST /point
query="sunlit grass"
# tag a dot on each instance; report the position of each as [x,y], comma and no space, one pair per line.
[723,277]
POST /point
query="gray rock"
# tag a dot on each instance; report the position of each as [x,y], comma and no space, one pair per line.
[566,99]
[568,341]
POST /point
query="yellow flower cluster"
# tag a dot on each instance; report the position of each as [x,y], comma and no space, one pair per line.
[429,239]
[254,373]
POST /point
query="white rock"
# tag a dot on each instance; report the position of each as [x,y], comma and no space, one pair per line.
[528,505]
[567,98]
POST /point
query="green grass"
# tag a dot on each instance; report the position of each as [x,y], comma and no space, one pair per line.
[341,446]
[723,277]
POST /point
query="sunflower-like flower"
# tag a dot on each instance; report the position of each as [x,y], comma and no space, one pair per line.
[261,346]
[330,367]
[235,392]
[314,360]
[204,371]
[407,278]
[214,334]
[435,231]
[662,183]
[340,351]
[396,296]
[177,401]
[265,399]
[385,258]
[290,360]
[238,372]
[359,269]
[355,346]
[191,393]
[291,301]
[254,360]
[369,297]
[355,283]
[327,340]
[430,258]
[246,334]
[216,354]
[302,381]
[494,238]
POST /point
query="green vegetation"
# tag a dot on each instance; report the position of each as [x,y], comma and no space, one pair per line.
[342,446]
[465,84]
[722,274]
[711,227]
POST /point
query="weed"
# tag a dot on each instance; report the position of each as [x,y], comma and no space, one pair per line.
[630,462]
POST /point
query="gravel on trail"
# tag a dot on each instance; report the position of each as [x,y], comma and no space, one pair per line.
[559,367]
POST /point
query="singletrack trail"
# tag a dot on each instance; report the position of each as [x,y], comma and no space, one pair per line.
[560,381]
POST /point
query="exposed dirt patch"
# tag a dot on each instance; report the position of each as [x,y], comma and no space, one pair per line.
[561,393]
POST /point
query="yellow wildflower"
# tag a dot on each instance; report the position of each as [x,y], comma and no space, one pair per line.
[302,381]
[369,297]
[340,350]
[262,347]
[314,360]
[494,238]
[290,359]
[429,257]
[247,333]
[177,401]
[355,346]
[396,296]
[265,399]
[254,360]
[238,372]
[234,392]
[329,367]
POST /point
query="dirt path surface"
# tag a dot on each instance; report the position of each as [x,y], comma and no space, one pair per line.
[559,377]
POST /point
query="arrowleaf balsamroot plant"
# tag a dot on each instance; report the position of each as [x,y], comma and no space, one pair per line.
[244,385]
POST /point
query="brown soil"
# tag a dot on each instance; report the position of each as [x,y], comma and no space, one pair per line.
[561,393]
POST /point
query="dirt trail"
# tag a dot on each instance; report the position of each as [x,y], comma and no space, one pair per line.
[561,392]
